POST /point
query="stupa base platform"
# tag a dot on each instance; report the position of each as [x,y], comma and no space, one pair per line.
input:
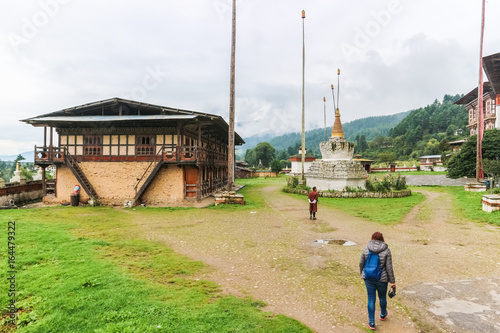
[337,184]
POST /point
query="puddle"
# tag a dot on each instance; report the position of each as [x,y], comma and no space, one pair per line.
[335,242]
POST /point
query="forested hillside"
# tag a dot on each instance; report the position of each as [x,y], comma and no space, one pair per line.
[425,131]
[404,136]
[370,127]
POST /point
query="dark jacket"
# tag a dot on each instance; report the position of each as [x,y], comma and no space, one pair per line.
[385,260]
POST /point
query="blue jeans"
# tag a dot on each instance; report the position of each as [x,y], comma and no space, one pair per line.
[372,287]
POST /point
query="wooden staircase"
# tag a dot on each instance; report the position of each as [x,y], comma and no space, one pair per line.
[157,162]
[80,176]
[50,186]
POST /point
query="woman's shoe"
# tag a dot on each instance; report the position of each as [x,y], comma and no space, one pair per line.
[372,326]
[384,316]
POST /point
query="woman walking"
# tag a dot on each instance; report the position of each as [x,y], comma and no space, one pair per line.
[375,267]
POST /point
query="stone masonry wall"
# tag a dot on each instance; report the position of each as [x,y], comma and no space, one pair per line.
[114,183]
[167,188]
[65,183]
[20,194]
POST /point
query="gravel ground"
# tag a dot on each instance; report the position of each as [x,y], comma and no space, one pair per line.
[440,180]
[272,254]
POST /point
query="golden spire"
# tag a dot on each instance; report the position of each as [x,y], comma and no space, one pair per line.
[337,130]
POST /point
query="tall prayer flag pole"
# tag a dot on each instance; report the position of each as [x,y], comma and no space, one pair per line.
[324,113]
[303,96]
[480,118]
[230,155]
[333,96]
[338,88]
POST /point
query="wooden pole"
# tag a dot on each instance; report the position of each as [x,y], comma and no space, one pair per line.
[480,118]
[303,97]
[338,89]
[44,181]
[230,153]
[51,136]
[334,105]
[324,114]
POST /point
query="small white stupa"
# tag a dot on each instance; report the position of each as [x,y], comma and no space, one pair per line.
[336,170]
[18,176]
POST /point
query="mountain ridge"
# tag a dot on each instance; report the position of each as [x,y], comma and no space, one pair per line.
[370,127]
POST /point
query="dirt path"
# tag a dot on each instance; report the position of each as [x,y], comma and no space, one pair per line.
[271,254]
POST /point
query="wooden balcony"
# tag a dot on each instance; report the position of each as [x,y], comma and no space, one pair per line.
[49,155]
[167,154]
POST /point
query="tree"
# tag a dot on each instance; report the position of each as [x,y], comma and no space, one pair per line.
[492,169]
[378,142]
[450,131]
[463,164]
[363,145]
[293,150]
[262,153]
[276,165]
[432,147]
[250,157]
[444,145]
[387,157]
[19,158]
[283,155]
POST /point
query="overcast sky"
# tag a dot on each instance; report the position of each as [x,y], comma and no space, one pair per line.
[394,55]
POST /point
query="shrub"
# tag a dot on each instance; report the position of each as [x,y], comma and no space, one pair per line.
[369,185]
[354,189]
[386,184]
[400,183]
[276,165]
[292,181]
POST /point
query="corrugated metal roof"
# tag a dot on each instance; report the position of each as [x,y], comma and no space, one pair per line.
[431,156]
[457,142]
[110,118]
[472,95]
[491,66]
[101,112]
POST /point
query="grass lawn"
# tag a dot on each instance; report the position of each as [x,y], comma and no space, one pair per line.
[406,173]
[383,211]
[80,269]
[468,204]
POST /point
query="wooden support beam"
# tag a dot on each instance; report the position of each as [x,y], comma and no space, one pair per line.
[179,143]
[44,181]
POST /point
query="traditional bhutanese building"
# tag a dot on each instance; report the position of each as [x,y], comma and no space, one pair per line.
[491,97]
[431,163]
[119,150]
[296,162]
[367,164]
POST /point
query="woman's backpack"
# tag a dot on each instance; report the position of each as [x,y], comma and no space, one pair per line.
[372,267]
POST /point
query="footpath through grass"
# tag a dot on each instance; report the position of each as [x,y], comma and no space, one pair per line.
[468,205]
[383,211]
[81,270]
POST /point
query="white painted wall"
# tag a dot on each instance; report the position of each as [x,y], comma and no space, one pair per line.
[297,167]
